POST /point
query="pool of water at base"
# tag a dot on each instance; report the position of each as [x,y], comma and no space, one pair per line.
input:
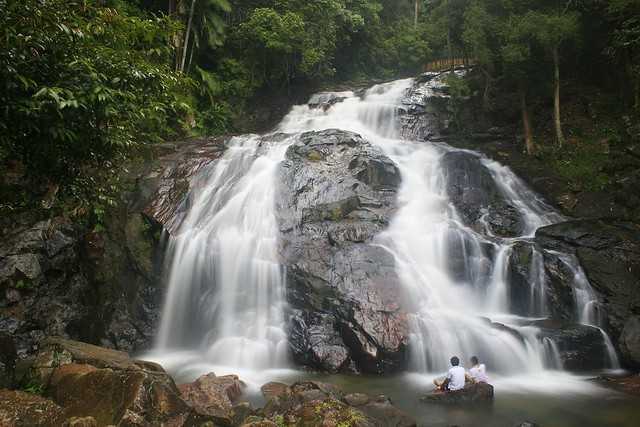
[547,398]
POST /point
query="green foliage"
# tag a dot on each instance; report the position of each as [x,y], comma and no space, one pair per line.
[33,387]
[459,92]
[85,85]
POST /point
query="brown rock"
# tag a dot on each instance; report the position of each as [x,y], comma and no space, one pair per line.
[213,396]
[19,409]
[273,389]
[90,381]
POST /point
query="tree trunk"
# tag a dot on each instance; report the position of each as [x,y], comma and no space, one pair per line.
[487,89]
[186,36]
[556,97]
[417,11]
[526,123]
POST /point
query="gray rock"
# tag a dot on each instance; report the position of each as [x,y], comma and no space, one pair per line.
[609,253]
[476,196]
[480,393]
[630,341]
[336,193]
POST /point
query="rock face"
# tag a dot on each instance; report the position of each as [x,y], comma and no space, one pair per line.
[89,381]
[471,394]
[336,193]
[609,252]
[56,279]
[580,347]
[630,341]
[477,198]
[318,404]
[102,285]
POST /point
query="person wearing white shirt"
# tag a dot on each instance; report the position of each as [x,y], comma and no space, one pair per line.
[455,378]
[478,372]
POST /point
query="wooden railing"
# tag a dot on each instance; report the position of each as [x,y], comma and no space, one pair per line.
[448,64]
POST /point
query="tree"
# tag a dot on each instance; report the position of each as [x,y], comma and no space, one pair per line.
[479,26]
[551,29]
[204,25]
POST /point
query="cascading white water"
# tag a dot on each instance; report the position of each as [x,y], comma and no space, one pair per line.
[226,289]
[452,315]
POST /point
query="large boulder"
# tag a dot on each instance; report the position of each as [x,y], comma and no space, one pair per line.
[213,396]
[476,196]
[90,381]
[609,253]
[336,192]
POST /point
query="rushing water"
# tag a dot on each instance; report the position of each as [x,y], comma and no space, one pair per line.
[226,298]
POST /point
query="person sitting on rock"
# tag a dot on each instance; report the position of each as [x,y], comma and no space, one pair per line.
[455,378]
[477,372]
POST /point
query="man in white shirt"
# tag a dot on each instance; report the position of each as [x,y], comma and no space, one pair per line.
[455,377]
[478,372]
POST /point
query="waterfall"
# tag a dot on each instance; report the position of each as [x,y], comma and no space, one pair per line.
[226,295]
[225,285]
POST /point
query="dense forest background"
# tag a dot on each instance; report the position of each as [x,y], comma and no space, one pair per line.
[91,84]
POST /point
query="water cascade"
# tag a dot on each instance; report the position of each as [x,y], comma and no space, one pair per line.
[226,289]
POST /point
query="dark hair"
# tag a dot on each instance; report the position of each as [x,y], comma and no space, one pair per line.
[474,360]
[455,361]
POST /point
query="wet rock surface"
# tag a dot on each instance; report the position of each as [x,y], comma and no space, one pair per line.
[609,253]
[319,404]
[625,384]
[580,347]
[480,393]
[476,196]
[163,189]
[336,193]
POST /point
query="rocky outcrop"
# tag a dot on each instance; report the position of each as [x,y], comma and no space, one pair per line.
[336,193]
[99,284]
[90,381]
[162,190]
[58,279]
[476,196]
[425,114]
[479,393]
[609,253]
[320,404]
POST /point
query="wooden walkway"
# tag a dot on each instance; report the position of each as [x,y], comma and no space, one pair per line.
[440,65]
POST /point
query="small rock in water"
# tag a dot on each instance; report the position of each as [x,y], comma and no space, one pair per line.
[476,393]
